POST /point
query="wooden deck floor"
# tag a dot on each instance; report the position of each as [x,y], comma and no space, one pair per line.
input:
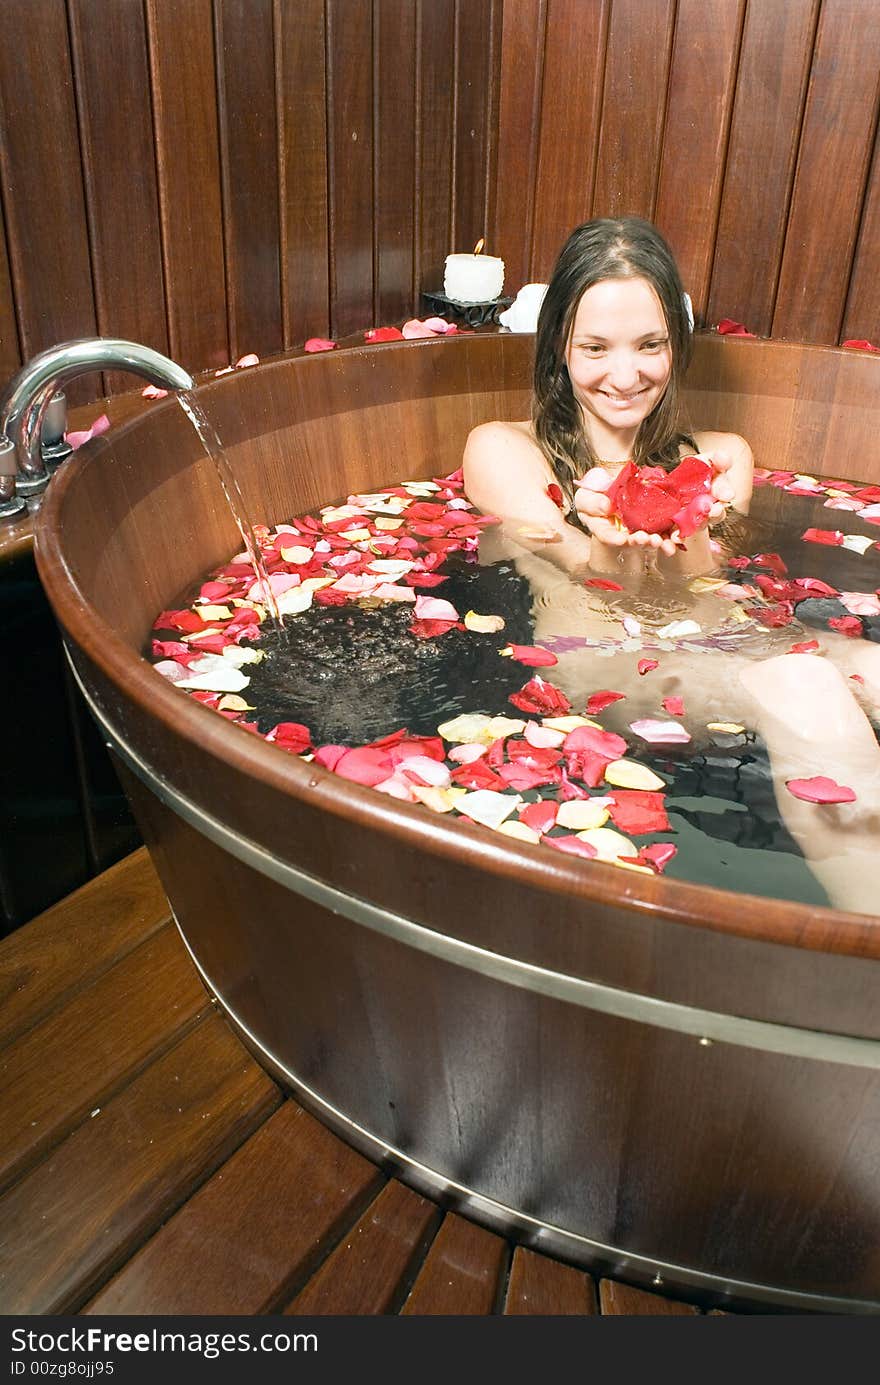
[148,1165]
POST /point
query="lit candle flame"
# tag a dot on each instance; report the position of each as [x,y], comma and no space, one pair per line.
[478,248]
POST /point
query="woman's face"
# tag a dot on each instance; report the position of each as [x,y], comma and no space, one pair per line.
[619,356]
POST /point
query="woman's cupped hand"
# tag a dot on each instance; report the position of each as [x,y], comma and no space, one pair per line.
[595,510]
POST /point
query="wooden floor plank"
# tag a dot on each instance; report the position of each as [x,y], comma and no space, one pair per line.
[258,1227]
[461,1273]
[367,1269]
[539,1285]
[616,1298]
[68,946]
[79,1054]
[74,1219]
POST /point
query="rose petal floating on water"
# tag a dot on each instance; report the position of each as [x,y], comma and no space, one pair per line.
[679,629]
[466,754]
[819,789]
[582,814]
[674,706]
[657,857]
[434,608]
[573,845]
[861,603]
[638,810]
[298,554]
[832,537]
[604,743]
[467,727]
[730,728]
[231,702]
[645,665]
[533,655]
[497,727]
[542,737]
[604,584]
[483,625]
[850,626]
[290,735]
[172,670]
[488,807]
[857,543]
[629,774]
[519,831]
[540,697]
[804,647]
[567,724]
[425,770]
[608,844]
[540,816]
[598,701]
[224,678]
[660,732]
[631,625]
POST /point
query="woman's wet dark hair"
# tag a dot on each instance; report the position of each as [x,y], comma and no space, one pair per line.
[628,248]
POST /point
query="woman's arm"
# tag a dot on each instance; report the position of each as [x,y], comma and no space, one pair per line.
[505,474]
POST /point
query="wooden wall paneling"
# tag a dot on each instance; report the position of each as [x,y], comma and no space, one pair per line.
[42,183]
[435,41]
[571,109]
[394,72]
[475,45]
[835,151]
[119,172]
[633,107]
[517,134]
[181,39]
[702,81]
[861,321]
[301,94]
[10,354]
[249,166]
[771,89]
[350,156]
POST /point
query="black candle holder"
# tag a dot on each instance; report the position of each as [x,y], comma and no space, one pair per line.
[471,314]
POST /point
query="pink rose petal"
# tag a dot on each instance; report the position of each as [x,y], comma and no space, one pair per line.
[434,608]
[660,732]
[319,344]
[820,789]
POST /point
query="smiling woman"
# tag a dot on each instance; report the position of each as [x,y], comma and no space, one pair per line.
[603,479]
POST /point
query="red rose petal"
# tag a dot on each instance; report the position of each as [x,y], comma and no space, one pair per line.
[728,328]
[540,697]
[605,743]
[850,626]
[533,655]
[555,493]
[820,789]
[674,706]
[383,334]
[832,537]
[540,816]
[603,584]
[645,665]
[598,701]
[319,344]
[804,647]
[639,810]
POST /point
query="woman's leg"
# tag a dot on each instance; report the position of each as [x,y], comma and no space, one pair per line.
[812,725]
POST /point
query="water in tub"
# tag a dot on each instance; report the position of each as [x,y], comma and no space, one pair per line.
[422,656]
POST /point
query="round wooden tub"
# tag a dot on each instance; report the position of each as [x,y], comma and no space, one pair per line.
[665,1081]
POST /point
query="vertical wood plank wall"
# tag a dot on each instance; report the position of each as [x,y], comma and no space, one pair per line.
[213,177]
[746,129]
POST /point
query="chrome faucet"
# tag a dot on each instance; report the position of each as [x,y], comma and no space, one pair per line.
[27,396]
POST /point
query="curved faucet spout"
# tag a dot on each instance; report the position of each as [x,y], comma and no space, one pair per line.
[24,400]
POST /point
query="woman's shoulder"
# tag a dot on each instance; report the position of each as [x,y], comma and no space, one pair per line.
[511,443]
[502,433]
[731,443]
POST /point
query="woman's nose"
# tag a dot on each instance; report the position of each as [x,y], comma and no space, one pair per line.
[623,371]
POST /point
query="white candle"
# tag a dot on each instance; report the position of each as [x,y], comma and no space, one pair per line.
[473,278]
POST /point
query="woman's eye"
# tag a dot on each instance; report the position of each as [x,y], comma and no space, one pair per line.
[653,345]
[593,348]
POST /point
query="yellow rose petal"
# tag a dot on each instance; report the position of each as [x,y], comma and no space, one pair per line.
[438,799]
[567,724]
[520,830]
[213,612]
[581,814]
[298,553]
[628,774]
[467,727]
[737,613]
[496,727]
[387,525]
[355,535]
[484,625]
[608,843]
[731,727]
[231,702]
[707,584]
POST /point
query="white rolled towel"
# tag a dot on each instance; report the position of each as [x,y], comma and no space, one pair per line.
[522,315]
